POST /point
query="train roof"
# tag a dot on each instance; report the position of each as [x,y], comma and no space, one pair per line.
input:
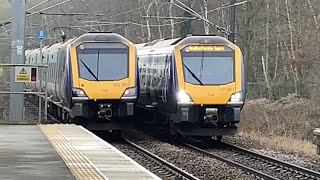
[52,46]
[140,45]
[189,39]
[101,36]
[91,36]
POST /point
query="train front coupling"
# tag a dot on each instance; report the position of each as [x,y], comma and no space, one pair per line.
[105,111]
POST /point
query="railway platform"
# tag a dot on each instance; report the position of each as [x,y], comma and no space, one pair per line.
[316,133]
[62,152]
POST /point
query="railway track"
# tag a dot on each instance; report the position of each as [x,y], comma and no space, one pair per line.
[261,166]
[157,165]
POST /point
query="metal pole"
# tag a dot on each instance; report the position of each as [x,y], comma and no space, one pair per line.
[40,81]
[126,31]
[17,57]
[232,20]
[46,96]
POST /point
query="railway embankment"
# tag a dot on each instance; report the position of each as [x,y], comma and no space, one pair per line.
[286,124]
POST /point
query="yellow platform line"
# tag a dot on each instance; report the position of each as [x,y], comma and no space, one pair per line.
[80,166]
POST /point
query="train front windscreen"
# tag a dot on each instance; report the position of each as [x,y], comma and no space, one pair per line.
[207,65]
[103,61]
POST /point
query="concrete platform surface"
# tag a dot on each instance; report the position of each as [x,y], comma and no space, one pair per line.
[26,154]
[108,161]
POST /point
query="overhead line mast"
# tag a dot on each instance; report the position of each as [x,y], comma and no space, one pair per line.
[232,20]
[17,57]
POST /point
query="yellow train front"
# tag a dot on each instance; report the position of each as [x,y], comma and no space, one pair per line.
[103,76]
[92,79]
[195,84]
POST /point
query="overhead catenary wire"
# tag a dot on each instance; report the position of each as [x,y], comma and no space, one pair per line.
[37,5]
[191,11]
[157,25]
[127,12]
[63,2]
[71,14]
[164,17]
[228,6]
[197,15]
[38,12]
[110,30]
[210,11]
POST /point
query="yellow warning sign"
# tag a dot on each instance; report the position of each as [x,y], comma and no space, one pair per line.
[22,74]
[23,78]
[23,71]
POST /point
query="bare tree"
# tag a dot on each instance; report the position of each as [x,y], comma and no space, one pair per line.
[158,19]
[148,24]
[205,15]
[265,62]
[292,53]
[171,19]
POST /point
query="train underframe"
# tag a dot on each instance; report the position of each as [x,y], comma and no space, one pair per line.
[196,121]
[96,115]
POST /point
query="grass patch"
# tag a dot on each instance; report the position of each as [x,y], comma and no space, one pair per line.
[285,144]
[286,124]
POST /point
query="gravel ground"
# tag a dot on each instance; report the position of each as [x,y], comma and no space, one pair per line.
[200,166]
[254,163]
[312,163]
[154,166]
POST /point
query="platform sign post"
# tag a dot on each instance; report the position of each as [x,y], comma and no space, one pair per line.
[42,35]
[18,14]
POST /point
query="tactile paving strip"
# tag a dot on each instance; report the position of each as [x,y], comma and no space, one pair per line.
[80,166]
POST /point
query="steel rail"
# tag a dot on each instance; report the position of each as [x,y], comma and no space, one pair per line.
[162,161]
[232,163]
[300,169]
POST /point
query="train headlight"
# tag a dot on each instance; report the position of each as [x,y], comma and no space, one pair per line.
[130,93]
[77,92]
[183,97]
[236,97]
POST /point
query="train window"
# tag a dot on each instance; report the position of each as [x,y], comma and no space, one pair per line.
[209,68]
[108,62]
[54,71]
[50,72]
[113,66]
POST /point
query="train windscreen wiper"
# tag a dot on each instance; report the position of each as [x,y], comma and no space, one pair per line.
[193,75]
[89,70]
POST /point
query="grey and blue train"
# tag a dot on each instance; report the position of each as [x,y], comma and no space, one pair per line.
[92,77]
[193,86]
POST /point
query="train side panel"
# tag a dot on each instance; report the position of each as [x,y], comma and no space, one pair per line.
[157,82]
